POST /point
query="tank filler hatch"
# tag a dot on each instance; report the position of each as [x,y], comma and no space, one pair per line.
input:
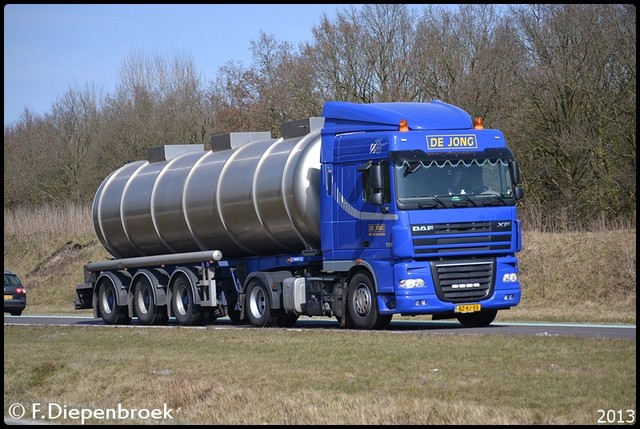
[170,151]
[301,127]
[235,140]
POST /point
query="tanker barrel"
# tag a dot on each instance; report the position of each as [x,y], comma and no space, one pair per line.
[251,195]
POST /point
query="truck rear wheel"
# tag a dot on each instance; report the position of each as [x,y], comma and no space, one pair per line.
[287,320]
[111,312]
[477,320]
[184,309]
[146,310]
[362,305]
[258,309]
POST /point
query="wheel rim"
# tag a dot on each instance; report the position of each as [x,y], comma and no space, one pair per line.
[362,300]
[257,302]
[183,300]
[108,300]
[144,299]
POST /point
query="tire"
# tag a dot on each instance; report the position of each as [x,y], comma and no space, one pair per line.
[15,313]
[287,320]
[234,316]
[208,316]
[477,320]
[258,309]
[146,310]
[362,305]
[111,312]
[232,300]
[383,321]
[182,304]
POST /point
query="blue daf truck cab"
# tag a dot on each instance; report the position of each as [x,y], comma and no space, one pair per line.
[387,203]
[369,211]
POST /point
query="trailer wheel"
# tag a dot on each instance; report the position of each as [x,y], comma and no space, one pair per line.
[258,309]
[477,320]
[146,310]
[362,305]
[111,313]
[182,304]
[208,316]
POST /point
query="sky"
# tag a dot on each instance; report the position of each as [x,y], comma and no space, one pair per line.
[50,48]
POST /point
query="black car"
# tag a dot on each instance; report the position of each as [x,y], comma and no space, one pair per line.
[15,295]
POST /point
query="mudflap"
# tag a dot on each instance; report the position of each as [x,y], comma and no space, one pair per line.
[84,296]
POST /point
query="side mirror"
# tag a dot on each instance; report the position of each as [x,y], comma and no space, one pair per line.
[376,198]
[519,192]
[375,178]
[374,182]
[514,169]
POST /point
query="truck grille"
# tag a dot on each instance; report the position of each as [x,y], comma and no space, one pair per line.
[468,237]
[458,281]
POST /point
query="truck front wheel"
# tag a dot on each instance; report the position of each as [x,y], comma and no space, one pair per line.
[111,312]
[362,305]
[186,312]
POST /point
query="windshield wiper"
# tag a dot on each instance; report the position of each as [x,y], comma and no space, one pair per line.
[499,200]
[412,168]
[457,204]
[436,203]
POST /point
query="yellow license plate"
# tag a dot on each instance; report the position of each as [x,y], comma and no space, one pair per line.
[6,297]
[468,308]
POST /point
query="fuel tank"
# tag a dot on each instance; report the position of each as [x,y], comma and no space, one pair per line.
[250,195]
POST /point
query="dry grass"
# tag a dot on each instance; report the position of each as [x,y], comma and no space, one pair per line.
[289,376]
[588,276]
[48,220]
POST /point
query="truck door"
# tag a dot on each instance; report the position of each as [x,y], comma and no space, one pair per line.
[375,225]
[346,227]
[359,225]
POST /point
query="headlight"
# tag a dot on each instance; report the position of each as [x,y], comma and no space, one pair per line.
[510,278]
[411,283]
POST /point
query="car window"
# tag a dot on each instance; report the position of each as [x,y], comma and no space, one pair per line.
[11,280]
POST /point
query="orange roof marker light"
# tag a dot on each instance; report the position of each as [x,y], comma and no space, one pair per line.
[404,126]
[478,123]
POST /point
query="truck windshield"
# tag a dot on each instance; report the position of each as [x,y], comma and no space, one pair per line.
[458,183]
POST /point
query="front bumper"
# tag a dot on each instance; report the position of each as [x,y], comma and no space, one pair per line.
[496,287]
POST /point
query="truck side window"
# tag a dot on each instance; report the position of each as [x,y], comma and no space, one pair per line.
[368,190]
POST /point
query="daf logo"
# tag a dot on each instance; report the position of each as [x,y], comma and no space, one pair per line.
[422,228]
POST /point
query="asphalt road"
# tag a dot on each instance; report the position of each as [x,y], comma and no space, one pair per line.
[398,326]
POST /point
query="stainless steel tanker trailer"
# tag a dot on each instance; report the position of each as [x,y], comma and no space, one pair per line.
[315,223]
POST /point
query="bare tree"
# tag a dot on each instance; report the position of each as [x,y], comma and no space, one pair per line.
[77,127]
[27,161]
[158,101]
[581,112]
[343,71]
[276,89]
